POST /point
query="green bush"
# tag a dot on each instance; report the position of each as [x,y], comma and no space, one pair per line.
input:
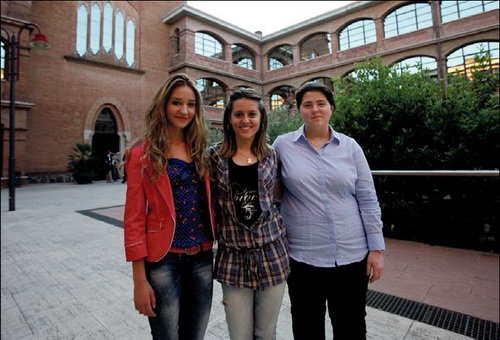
[282,121]
[416,122]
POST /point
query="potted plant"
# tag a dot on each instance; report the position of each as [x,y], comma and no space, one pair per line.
[82,163]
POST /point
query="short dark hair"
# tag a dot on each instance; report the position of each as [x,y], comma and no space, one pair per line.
[259,144]
[314,86]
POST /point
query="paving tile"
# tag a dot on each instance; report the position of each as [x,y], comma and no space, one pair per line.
[58,264]
[14,324]
[421,331]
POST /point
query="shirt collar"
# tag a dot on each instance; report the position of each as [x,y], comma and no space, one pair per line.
[300,135]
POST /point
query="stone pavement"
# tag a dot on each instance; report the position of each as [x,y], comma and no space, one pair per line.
[63,274]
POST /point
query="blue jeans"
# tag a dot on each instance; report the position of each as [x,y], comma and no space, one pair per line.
[183,289]
[252,314]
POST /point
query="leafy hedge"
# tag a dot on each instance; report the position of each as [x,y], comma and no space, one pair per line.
[408,121]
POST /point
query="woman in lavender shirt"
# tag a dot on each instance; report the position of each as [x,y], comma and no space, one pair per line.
[332,216]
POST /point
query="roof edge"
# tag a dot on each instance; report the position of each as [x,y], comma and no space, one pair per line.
[186,10]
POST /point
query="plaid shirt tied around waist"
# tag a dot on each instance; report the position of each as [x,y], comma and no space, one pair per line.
[253,256]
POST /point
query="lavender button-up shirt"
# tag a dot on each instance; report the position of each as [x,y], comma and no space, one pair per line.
[329,204]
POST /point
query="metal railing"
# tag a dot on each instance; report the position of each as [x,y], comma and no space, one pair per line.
[480,173]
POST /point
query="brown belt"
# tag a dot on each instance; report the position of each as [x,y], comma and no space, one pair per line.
[207,245]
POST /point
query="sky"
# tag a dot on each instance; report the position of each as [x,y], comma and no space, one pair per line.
[266,16]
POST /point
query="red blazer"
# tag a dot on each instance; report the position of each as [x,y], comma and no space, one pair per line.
[149,222]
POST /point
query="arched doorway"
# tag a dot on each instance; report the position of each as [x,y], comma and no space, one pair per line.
[105,139]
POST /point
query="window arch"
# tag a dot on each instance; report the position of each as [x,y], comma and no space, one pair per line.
[280,56]
[243,57]
[358,33]
[208,46]
[321,80]
[212,92]
[462,60]
[107,27]
[417,64]
[316,45]
[81,30]
[407,19]
[129,53]
[240,87]
[282,97]
[95,28]
[453,10]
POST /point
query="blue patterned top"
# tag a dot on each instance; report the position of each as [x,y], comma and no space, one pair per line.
[192,222]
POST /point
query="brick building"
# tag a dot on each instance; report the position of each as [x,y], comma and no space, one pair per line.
[108,58]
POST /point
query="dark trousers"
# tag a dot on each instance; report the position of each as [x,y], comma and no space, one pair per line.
[343,288]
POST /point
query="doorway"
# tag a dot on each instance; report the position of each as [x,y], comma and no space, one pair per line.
[105,139]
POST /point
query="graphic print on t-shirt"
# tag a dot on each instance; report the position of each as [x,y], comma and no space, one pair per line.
[245,200]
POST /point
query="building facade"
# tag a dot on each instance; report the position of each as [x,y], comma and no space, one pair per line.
[108,58]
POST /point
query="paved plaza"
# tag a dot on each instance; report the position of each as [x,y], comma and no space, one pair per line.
[64,276]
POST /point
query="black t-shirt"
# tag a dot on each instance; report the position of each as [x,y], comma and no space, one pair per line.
[244,184]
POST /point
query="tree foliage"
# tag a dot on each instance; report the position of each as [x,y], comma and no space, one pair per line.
[413,121]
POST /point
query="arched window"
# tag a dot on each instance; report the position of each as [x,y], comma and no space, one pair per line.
[208,46]
[462,61]
[321,80]
[453,10]
[95,28]
[317,45]
[108,33]
[81,30]
[212,92]
[119,34]
[282,97]
[3,60]
[107,27]
[129,55]
[417,64]
[243,57]
[358,33]
[280,56]
[407,19]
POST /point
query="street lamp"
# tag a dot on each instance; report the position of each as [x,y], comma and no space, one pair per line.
[12,56]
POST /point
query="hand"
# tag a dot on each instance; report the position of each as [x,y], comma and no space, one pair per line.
[144,298]
[375,265]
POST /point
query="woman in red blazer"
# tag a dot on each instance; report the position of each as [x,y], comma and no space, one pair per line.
[169,221]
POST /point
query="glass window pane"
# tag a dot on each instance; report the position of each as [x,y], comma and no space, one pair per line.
[407,19]
[81,31]
[95,28]
[489,5]
[107,27]
[462,60]
[208,46]
[119,34]
[280,56]
[453,10]
[358,33]
[317,45]
[212,92]
[129,56]
[2,61]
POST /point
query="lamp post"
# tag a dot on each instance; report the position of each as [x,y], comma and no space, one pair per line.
[12,56]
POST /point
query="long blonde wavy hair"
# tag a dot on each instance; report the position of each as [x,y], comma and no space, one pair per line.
[156,137]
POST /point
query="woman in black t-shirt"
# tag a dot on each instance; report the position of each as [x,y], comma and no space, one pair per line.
[252,261]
